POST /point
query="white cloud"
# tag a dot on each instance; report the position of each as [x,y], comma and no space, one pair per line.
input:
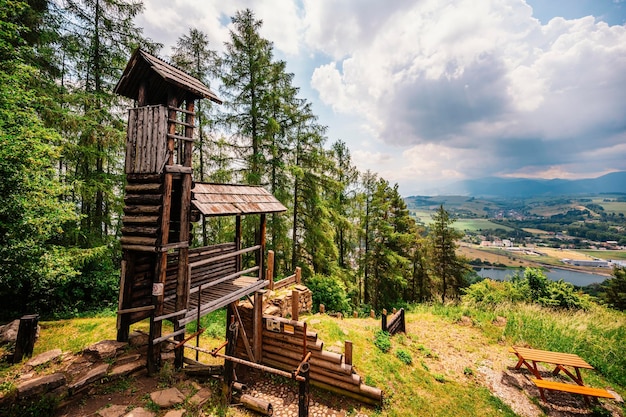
[431,90]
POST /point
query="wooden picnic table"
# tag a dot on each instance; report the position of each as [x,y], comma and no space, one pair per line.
[561,361]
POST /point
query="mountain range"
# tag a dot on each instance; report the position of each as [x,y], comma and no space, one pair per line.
[614,182]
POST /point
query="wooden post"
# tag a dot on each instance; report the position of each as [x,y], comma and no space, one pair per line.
[393,311]
[295,304]
[270,269]
[123,322]
[303,391]
[298,275]
[261,241]
[372,314]
[384,320]
[238,240]
[322,308]
[257,332]
[154,352]
[348,352]
[231,337]
[26,335]
[355,314]
[403,325]
[183,281]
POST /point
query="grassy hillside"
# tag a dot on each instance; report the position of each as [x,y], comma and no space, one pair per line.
[439,367]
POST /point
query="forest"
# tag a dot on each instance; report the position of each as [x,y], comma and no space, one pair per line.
[62,132]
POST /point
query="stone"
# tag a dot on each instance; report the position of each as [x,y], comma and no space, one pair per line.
[41,385]
[112,411]
[92,375]
[175,413]
[131,357]
[168,397]
[105,349]
[127,368]
[8,332]
[45,357]
[201,397]
[138,338]
[140,412]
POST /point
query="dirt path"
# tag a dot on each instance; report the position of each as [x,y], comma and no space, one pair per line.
[462,346]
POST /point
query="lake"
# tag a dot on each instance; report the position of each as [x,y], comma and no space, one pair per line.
[580,279]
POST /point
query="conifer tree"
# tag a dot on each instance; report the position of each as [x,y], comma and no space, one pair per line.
[447,267]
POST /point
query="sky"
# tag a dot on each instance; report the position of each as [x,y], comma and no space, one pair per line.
[430,92]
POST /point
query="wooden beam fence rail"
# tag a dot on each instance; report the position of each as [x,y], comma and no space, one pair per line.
[224,256]
[226,278]
[295,278]
[271,370]
[170,315]
[158,340]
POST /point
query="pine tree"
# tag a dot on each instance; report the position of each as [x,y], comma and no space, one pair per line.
[193,55]
[105,35]
[312,239]
[345,176]
[447,267]
[246,71]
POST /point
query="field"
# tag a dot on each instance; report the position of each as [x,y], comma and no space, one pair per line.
[494,256]
[616,207]
[605,254]
[477,225]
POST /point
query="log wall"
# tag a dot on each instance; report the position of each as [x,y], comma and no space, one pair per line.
[146,140]
[284,347]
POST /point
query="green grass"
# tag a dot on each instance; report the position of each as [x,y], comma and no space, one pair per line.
[410,372]
[476,225]
[616,207]
[605,254]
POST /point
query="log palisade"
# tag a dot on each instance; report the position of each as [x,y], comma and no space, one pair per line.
[283,347]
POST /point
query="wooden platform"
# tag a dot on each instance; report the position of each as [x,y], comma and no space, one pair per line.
[216,296]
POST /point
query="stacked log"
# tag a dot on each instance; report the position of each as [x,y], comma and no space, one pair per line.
[142,211]
[284,348]
[283,300]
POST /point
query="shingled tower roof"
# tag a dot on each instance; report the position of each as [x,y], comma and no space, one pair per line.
[159,76]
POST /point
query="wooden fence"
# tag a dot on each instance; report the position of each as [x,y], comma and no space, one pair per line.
[395,324]
[296,278]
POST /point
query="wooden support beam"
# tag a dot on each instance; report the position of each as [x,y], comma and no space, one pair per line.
[270,268]
[261,241]
[348,352]
[244,336]
[303,391]
[295,304]
[257,332]
[26,336]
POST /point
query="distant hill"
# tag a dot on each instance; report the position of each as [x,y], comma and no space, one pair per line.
[525,187]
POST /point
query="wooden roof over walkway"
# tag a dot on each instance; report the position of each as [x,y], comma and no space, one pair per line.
[232,200]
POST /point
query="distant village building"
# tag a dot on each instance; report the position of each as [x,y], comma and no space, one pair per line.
[598,263]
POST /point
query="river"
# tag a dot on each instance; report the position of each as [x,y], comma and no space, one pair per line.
[580,279]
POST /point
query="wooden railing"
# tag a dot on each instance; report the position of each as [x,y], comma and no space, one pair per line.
[296,278]
[395,324]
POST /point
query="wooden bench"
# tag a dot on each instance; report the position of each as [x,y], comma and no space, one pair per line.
[575,389]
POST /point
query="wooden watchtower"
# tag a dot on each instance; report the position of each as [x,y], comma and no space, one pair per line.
[162,278]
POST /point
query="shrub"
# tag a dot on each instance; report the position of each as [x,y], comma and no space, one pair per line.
[329,291]
[615,288]
[382,341]
[404,356]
